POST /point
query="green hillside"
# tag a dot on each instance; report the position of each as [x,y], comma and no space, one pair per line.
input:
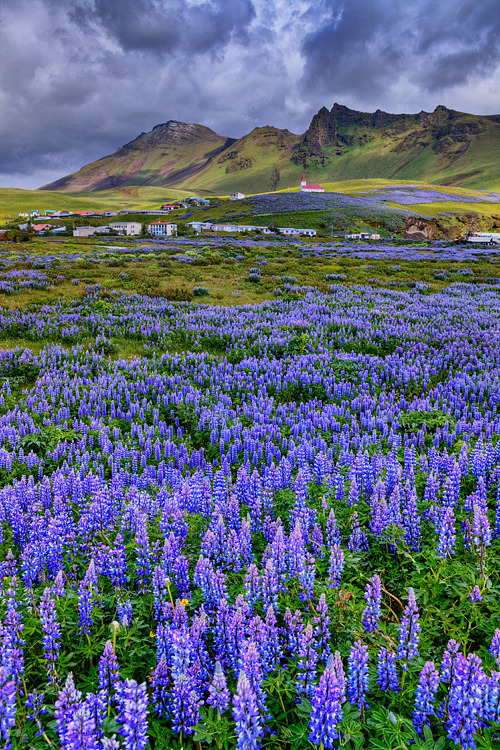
[443,147]
[15,200]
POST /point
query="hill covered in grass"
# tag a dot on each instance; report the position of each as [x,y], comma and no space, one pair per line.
[443,147]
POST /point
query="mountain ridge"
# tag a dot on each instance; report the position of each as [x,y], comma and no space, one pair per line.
[443,147]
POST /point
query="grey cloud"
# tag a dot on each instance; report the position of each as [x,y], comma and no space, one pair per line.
[367,45]
[79,78]
[163,26]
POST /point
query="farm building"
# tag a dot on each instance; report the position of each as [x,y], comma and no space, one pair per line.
[236,196]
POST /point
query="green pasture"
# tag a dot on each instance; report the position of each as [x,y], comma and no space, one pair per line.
[226,278]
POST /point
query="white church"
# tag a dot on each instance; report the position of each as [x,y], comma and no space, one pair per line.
[305,188]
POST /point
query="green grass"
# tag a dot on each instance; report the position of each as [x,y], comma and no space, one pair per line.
[15,200]
[225,277]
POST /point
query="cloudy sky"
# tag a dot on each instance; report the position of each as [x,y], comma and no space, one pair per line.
[79,78]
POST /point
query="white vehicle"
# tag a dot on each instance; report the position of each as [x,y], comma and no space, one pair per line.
[489,238]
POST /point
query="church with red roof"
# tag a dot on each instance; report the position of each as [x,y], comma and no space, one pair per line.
[309,188]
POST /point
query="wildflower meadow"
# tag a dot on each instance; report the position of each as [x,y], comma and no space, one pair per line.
[276,526]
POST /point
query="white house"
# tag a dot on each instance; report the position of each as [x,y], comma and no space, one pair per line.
[362,236]
[310,188]
[237,196]
[162,228]
[200,226]
[126,227]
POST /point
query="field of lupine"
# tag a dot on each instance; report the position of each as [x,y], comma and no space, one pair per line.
[276,525]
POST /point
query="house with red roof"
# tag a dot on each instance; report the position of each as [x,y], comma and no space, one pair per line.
[37,228]
[309,187]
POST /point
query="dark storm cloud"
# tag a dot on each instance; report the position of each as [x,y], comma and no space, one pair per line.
[366,45]
[161,27]
[79,78]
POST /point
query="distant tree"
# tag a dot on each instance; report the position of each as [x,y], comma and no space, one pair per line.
[18,235]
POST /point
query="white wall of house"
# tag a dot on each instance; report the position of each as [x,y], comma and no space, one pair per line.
[127,227]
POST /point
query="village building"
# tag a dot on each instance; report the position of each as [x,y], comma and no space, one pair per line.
[171,206]
[305,187]
[89,231]
[162,228]
[207,226]
[41,228]
[362,236]
[297,232]
[126,227]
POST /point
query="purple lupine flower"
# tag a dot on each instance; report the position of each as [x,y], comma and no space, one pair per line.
[475,595]
[494,649]
[34,704]
[387,675]
[219,695]
[108,672]
[373,597]
[270,586]
[357,539]
[481,529]
[143,554]
[294,628]
[339,671]
[307,662]
[357,681]
[252,585]
[251,664]
[409,631]
[428,684]
[447,535]
[270,645]
[81,730]
[465,700]
[160,681]
[332,530]
[181,651]
[124,613]
[86,602]
[326,708]
[246,715]
[449,661]
[110,743]
[51,633]
[11,651]
[337,564]
[322,631]
[68,701]
[491,698]
[7,706]
[411,522]
[185,705]
[132,704]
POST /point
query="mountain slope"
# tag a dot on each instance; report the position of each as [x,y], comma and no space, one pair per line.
[442,147]
[167,155]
